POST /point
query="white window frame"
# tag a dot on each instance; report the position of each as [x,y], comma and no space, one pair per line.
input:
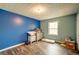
[53,28]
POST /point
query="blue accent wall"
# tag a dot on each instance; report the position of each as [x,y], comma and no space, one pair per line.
[11,33]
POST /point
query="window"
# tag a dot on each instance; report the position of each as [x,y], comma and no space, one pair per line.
[53,28]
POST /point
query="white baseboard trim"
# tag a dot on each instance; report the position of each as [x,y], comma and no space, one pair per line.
[48,40]
[11,47]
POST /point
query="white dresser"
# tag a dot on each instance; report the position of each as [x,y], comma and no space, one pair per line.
[39,35]
[34,36]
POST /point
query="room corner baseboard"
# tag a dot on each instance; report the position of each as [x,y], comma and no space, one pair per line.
[11,47]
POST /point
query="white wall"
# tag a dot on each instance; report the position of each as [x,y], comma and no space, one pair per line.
[78,30]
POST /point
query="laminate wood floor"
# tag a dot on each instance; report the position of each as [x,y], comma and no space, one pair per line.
[39,48]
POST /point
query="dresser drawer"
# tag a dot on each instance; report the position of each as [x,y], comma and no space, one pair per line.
[32,38]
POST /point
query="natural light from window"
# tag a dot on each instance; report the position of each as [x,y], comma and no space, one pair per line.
[53,28]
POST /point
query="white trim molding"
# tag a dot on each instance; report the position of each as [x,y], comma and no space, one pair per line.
[11,47]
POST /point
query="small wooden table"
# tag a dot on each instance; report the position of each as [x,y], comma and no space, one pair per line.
[70,44]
